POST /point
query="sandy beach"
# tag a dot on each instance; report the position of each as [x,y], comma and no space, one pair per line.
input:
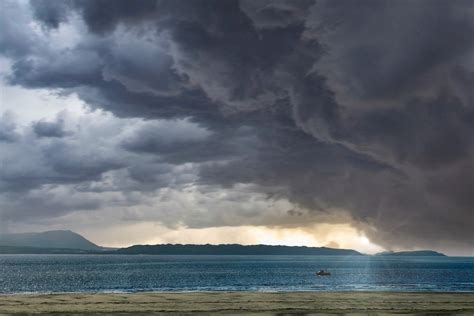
[301,303]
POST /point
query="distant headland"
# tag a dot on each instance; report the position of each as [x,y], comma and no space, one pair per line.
[234,249]
[68,242]
[414,253]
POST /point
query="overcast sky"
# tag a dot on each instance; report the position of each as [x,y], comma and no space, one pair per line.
[320,123]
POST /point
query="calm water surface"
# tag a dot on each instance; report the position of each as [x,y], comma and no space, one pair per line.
[114,273]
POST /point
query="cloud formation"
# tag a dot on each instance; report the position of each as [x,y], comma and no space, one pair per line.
[361,115]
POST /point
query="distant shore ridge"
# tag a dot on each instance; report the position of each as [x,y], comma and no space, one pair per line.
[68,242]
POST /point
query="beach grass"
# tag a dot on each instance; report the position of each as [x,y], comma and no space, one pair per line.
[207,303]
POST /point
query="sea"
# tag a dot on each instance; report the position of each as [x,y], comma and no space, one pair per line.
[138,273]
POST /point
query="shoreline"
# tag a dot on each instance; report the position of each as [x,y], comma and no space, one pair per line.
[240,302]
[232,291]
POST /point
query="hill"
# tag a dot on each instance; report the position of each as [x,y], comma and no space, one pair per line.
[37,250]
[416,253]
[233,249]
[63,239]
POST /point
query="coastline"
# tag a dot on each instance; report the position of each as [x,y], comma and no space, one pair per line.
[267,303]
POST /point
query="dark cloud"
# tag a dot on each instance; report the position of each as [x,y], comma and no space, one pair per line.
[100,17]
[365,107]
[58,162]
[187,142]
[427,133]
[268,14]
[41,205]
[50,14]
[67,69]
[50,129]
[104,15]
[395,50]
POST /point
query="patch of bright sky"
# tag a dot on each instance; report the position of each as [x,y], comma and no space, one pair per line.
[28,105]
[330,235]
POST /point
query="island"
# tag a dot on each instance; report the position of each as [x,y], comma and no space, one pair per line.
[415,253]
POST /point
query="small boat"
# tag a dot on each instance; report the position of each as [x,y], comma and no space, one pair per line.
[323,273]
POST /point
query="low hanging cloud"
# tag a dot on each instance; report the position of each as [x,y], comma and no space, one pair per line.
[364,111]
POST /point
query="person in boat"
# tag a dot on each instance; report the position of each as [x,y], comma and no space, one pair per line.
[323,272]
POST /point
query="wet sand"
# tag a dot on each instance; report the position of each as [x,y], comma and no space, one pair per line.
[206,303]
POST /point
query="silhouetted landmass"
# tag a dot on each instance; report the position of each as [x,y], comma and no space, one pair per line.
[37,250]
[233,249]
[68,242]
[64,239]
[416,253]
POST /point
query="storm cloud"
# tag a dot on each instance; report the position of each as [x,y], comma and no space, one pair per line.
[357,113]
